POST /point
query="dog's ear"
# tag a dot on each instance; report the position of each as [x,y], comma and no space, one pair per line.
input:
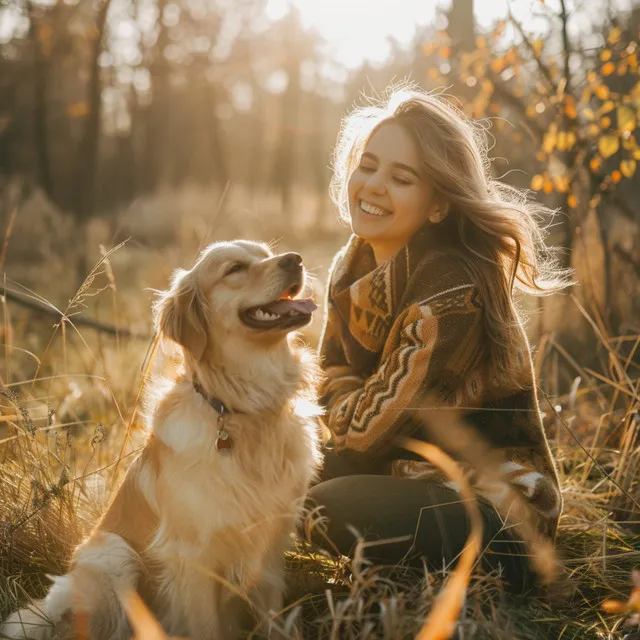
[182,314]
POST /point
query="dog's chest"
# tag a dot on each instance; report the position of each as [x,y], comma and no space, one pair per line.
[260,480]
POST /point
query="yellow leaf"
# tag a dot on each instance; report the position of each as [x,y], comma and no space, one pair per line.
[628,167]
[629,142]
[608,68]
[623,67]
[605,122]
[592,77]
[537,47]
[614,35]
[609,105]
[561,184]
[562,141]
[626,119]
[537,182]
[605,55]
[549,142]
[608,145]
[636,154]
[602,91]
[588,113]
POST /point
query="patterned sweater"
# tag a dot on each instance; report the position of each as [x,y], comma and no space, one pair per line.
[410,333]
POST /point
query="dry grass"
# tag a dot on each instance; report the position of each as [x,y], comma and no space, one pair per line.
[69,396]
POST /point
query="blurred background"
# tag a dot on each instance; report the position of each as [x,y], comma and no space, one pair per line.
[168,123]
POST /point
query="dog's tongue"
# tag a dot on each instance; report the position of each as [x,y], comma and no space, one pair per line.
[286,305]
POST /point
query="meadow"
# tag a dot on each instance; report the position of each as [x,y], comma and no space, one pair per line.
[72,418]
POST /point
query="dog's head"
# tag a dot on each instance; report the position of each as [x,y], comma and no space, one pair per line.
[237,291]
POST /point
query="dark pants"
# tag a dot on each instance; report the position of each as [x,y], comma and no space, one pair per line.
[431,517]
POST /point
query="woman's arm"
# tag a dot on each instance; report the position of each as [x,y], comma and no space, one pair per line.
[432,342]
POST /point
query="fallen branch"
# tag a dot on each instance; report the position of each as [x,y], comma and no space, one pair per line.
[79,320]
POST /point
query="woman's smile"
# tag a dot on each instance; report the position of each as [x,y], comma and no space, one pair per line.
[374,210]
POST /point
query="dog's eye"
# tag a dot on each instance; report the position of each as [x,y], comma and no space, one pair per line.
[235,268]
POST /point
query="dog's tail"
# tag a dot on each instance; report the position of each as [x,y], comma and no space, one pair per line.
[86,599]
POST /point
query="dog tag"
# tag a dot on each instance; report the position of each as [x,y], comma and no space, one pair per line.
[223,442]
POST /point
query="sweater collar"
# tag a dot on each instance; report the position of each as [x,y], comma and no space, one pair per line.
[366,295]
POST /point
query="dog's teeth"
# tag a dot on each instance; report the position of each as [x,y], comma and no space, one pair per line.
[272,316]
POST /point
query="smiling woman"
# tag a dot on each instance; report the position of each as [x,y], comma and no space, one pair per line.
[420,315]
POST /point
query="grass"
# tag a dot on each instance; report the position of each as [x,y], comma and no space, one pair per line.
[69,396]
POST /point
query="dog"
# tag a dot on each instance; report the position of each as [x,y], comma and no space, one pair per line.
[202,520]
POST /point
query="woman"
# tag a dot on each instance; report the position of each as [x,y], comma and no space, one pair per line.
[420,315]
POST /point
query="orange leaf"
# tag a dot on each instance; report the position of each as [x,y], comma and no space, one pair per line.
[605,122]
[537,182]
[548,186]
[78,109]
[616,176]
[498,65]
[444,52]
[602,91]
[608,68]
[605,55]
[595,163]
[572,201]
[614,606]
[570,107]
[593,130]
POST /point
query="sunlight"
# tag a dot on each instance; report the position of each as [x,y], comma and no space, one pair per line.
[355,31]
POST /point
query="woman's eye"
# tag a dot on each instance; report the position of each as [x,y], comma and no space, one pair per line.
[400,180]
[366,169]
[237,267]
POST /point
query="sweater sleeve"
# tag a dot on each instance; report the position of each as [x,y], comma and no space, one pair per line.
[432,342]
[339,377]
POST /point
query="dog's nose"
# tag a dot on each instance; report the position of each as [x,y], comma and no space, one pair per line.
[290,261]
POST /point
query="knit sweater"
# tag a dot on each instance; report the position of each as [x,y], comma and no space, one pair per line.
[410,333]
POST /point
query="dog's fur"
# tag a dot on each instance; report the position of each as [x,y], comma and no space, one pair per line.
[189,522]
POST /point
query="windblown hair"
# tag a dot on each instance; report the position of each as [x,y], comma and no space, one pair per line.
[495,230]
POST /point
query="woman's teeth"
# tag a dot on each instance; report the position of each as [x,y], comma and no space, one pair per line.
[374,211]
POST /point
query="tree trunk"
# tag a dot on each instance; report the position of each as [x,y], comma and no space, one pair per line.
[87,159]
[40,121]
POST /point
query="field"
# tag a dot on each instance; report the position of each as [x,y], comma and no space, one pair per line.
[72,418]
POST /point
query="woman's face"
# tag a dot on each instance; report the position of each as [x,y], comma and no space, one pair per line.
[388,199]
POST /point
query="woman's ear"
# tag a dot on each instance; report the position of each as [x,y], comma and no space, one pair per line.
[182,314]
[439,213]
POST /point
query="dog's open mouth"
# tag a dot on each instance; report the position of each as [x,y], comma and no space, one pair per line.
[286,312]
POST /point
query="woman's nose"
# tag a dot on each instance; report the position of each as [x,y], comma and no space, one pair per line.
[376,183]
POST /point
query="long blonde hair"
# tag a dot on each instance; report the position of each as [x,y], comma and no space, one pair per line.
[496,230]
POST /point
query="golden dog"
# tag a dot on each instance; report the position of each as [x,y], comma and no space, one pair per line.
[209,506]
